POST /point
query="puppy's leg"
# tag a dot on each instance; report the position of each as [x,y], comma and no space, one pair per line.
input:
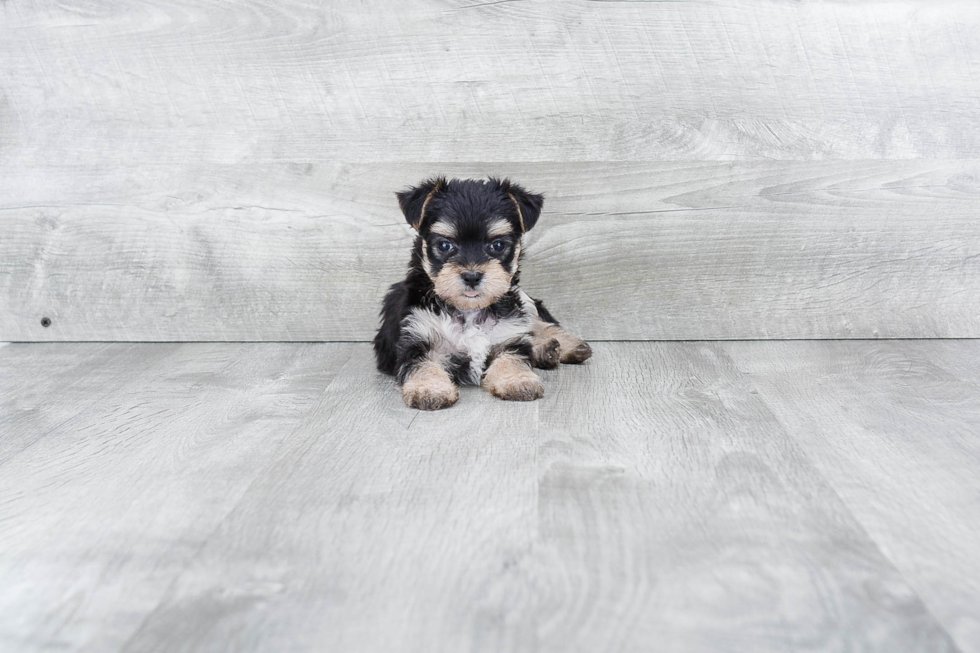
[545,331]
[545,352]
[571,349]
[425,383]
[429,387]
[509,374]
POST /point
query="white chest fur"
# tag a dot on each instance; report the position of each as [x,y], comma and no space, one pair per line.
[471,334]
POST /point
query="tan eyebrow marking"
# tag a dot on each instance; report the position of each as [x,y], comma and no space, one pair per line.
[443,229]
[499,227]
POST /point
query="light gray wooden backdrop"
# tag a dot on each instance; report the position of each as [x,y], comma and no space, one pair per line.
[176,170]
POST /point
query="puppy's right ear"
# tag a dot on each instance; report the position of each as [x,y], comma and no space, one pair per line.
[414,201]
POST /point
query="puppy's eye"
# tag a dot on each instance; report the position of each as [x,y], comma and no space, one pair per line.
[444,246]
[498,246]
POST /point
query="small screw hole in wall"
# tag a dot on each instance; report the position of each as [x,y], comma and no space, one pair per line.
[45,322]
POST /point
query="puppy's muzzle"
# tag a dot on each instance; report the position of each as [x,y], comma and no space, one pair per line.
[472,278]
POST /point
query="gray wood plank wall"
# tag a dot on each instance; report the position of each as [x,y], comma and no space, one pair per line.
[224,171]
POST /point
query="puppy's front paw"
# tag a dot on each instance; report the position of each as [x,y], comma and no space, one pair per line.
[546,353]
[431,398]
[429,388]
[511,378]
[526,387]
[578,353]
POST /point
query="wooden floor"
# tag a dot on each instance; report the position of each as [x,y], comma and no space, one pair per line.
[685,496]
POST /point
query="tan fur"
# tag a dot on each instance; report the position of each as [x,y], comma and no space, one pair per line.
[425,262]
[425,204]
[545,353]
[520,215]
[499,227]
[572,349]
[510,377]
[450,286]
[429,387]
[443,229]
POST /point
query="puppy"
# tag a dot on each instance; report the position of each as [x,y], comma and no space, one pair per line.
[460,315]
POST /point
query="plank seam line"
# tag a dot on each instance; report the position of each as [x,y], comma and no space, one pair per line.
[858,523]
[351,342]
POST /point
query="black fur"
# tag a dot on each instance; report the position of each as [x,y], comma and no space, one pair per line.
[468,207]
[543,312]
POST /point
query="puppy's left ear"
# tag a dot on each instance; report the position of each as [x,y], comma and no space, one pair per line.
[528,204]
[413,201]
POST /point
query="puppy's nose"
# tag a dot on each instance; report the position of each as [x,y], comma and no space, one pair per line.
[472,277]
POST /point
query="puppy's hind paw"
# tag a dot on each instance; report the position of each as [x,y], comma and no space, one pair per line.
[577,354]
[546,353]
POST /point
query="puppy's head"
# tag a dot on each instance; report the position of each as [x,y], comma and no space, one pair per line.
[470,233]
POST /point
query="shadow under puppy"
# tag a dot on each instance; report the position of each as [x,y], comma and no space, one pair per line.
[460,315]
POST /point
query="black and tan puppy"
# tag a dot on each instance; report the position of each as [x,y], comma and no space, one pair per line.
[460,315]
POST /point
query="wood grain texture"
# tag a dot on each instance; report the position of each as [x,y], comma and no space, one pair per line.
[178,171]
[678,514]
[177,82]
[895,429]
[663,496]
[646,251]
[375,528]
[86,373]
[122,482]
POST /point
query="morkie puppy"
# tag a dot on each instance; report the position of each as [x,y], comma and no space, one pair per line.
[460,315]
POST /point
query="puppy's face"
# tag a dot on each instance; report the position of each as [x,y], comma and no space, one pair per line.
[471,262]
[470,236]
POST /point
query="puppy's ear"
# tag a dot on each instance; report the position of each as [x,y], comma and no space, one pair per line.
[528,204]
[414,201]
